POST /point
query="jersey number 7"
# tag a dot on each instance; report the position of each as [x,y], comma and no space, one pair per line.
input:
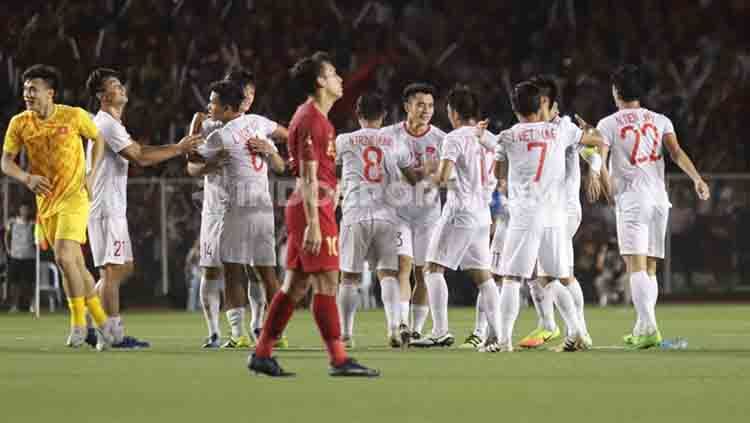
[542,156]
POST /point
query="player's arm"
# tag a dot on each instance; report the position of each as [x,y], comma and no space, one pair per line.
[279,135]
[310,188]
[591,136]
[149,155]
[97,153]
[679,156]
[6,238]
[443,173]
[36,183]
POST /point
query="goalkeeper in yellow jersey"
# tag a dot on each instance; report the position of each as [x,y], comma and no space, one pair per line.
[52,136]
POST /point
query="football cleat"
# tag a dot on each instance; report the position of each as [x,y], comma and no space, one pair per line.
[415,336]
[646,341]
[129,342]
[628,339]
[405,335]
[105,335]
[493,346]
[282,342]
[539,337]
[434,341]
[77,337]
[241,342]
[266,366]
[394,341]
[350,368]
[212,341]
[471,342]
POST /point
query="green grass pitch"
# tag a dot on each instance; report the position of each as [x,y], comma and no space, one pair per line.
[176,381]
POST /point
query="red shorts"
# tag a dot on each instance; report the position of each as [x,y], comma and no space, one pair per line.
[296,257]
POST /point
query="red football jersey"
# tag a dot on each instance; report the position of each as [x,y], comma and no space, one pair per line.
[312,138]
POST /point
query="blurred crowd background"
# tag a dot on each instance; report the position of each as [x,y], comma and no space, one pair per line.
[696,60]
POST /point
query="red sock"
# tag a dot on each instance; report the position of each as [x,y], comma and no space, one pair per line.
[279,313]
[327,317]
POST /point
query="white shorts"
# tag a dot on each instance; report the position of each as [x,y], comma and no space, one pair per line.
[543,247]
[574,222]
[498,241]
[459,246]
[374,241]
[241,235]
[413,240]
[110,240]
[641,228]
[248,237]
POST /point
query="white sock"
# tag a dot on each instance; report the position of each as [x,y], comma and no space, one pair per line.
[510,304]
[256,295]
[211,301]
[348,303]
[390,294]
[565,305]
[577,293]
[419,314]
[490,304]
[544,305]
[653,296]
[404,318]
[437,292]
[480,322]
[639,287]
[236,319]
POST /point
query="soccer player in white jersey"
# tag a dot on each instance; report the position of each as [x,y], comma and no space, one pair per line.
[108,226]
[373,163]
[462,233]
[547,329]
[537,237]
[212,218]
[423,205]
[637,137]
[246,234]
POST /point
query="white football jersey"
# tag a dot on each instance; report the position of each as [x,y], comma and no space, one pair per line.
[423,200]
[214,193]
[634,137]
[372,161]
[109,193]
[245,176]
[469,193]
[536,153]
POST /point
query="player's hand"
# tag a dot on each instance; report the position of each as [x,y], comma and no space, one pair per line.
[582,123]
[90,185]
[190,143]
[701,188]
[481,127]
[39,184]
[312,239]
[594,187]
[430,166]
[258,145]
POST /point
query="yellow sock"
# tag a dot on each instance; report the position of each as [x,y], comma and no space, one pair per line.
[96,311]
[77,312]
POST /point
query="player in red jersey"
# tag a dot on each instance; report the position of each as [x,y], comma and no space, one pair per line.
[312,255]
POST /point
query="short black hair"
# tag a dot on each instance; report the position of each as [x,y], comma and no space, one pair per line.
[95,81]
[464,101]
[526,98]
[628,82]
[49,74]
[230,93]
[370,106]
[241,76]
[306,71]
[417,88]
[547,86]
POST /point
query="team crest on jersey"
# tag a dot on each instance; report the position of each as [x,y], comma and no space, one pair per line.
[63,130]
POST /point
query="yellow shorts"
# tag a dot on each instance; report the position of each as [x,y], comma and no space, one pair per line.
[69,223]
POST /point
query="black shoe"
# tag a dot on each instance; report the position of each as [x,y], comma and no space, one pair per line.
[266,366]
[351,368]
[415,336]
[91,337]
